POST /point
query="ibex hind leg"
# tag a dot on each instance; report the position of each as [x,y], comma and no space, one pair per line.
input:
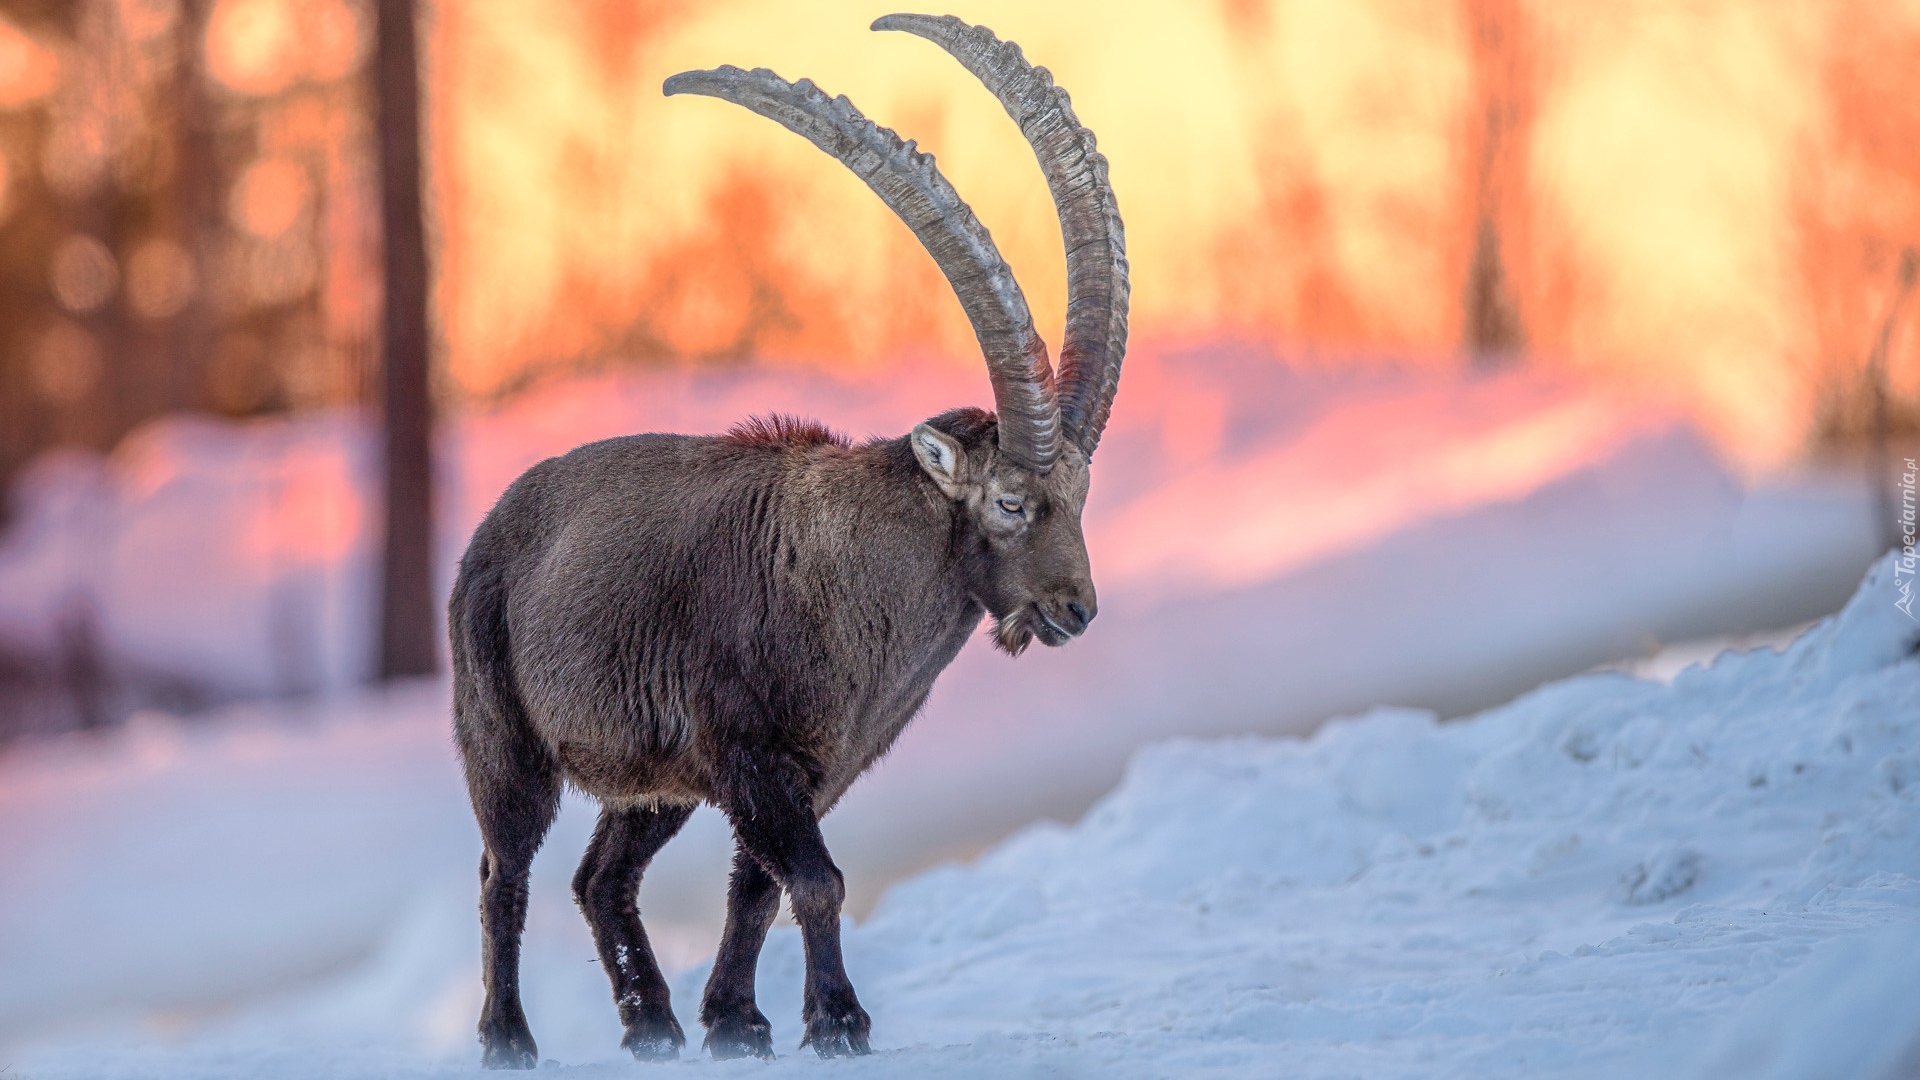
[514,782]
[514,807]
[607,887]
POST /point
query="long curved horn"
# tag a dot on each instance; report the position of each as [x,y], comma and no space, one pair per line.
[1097,289]
[909,183]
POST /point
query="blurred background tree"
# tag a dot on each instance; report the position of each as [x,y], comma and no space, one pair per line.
[186,228]
[408,636]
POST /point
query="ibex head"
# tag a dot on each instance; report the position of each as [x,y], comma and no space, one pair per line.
[1017,480]
[1016,531]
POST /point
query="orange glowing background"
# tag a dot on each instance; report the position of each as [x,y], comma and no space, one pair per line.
[1704,200]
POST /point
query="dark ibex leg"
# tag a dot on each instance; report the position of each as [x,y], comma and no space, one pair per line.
[735,1025]
[773,821]
[607,887]
[514,818]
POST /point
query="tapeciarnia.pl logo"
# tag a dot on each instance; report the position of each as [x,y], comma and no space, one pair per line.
[1903,567]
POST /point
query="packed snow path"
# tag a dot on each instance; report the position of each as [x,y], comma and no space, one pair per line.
[1719,876]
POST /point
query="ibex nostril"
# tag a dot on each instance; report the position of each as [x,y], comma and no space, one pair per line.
[1079,613]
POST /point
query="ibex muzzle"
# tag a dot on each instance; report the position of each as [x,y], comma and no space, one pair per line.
[750,620]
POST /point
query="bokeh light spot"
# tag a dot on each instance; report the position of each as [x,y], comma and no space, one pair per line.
[74,156]
[66,364]
[28,70]
[252,45]
[335,39]
[160,279]
[84,274]
[270,197]
[261,47]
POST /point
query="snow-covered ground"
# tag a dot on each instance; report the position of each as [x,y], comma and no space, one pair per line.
[1712,876]
[288,889]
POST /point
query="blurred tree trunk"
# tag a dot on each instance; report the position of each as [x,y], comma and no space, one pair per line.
[196,211]
[1494,335]
[407,623]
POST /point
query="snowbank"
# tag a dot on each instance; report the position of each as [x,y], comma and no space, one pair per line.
[1714,876]
[1578,883]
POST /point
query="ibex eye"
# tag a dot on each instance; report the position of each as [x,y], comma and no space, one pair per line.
[1011,506]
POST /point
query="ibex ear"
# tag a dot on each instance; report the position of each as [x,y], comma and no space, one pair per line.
[943,458]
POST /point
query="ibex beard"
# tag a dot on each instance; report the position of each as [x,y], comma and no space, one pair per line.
[750,620]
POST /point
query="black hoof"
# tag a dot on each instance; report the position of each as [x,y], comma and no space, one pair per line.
[655,1038]
[742,1034]
[841,1034]
[509,1050]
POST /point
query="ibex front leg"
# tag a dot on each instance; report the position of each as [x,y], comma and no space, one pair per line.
[735,1025]
[606,887]
[771,806]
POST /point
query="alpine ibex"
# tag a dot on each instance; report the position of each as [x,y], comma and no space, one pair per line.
[750,619]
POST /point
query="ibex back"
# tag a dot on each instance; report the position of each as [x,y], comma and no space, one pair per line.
[749,620]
